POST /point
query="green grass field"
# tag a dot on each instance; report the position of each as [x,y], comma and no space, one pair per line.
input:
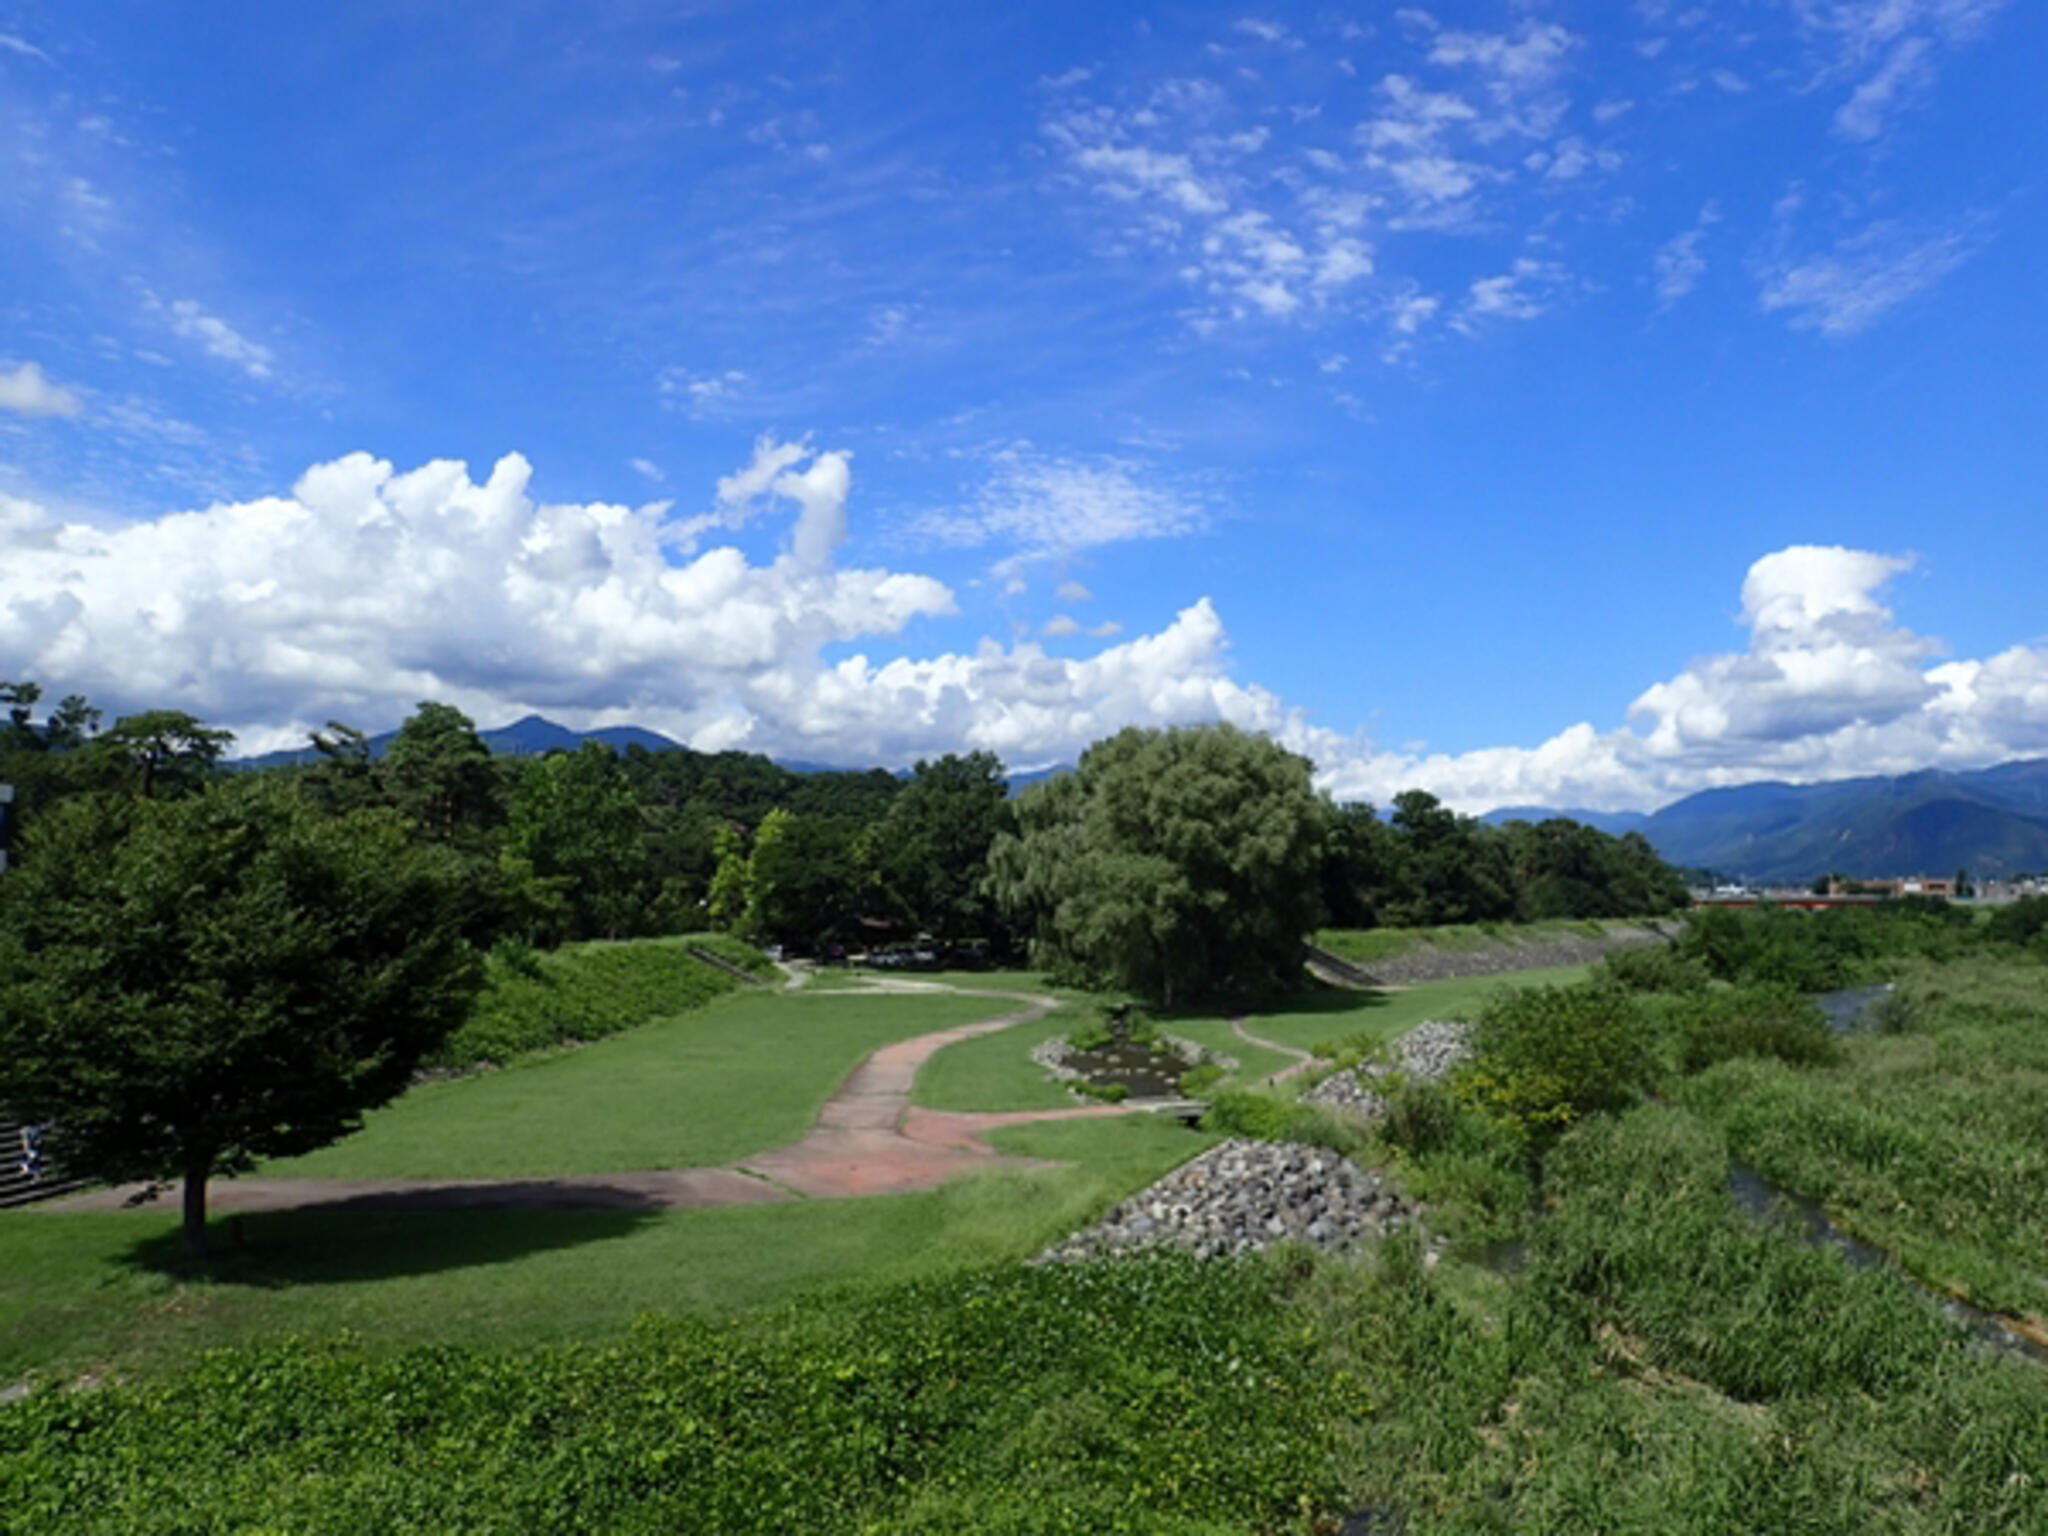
[745,1073]
[98,1289]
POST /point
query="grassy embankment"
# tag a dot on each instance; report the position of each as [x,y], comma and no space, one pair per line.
[1362,946]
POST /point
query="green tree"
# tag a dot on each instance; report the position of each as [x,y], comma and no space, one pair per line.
[1177,864]
[440,772]
[803,880]
[726,902]
[574,822]
[192,984]
[931,849]
[161,752]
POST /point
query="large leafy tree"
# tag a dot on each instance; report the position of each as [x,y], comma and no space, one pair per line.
[440,772]
[574,824]
[188,985]
[932,848]
[160,752]
[1178,864]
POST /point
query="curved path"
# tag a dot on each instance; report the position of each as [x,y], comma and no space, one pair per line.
[867,1140]
[1303,1060]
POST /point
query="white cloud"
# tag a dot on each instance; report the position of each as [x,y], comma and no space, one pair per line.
[1844,291]
[1905,72]
[1829,685]
[1678,264]
[27,391]
[1889,47]
[365,590]
[1042,508]
[22,46]
[194,323]
[700,396]
[1522,292]
[1073,592]
[1061,624]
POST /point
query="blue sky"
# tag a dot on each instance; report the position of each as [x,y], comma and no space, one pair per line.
[1541,402]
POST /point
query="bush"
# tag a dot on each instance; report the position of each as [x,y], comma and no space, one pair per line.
[1262,1117]
[1108,1093]
[1656,968]
[1749,1021]
[1546,1057]
[1197,1081]
[1421,1116]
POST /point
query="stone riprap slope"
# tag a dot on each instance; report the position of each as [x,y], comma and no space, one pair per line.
[1244,1195]
[1428,1051]
[1431,964]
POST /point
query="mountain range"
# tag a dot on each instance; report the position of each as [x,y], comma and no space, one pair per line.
[1992,821]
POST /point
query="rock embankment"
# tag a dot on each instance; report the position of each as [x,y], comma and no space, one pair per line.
[1432,964]
[1246,1195]
[1428,1051]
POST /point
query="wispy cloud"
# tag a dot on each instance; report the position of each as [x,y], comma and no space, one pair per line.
[1843,291]
[1040,507]
[1678,265]
[192,322]
[21,45]
[702,395]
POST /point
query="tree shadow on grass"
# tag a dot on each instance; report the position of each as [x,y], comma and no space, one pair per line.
[1309,1002]
[379,1237]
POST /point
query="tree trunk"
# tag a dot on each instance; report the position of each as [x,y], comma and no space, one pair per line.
[195,1207]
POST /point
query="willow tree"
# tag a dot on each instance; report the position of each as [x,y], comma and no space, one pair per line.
[1177,864]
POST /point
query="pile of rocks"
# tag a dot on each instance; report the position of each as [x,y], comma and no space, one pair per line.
[1245,1195]
[1428,1051]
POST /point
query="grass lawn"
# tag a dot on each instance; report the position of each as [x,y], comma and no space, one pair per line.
[744,1074]
[92,1289]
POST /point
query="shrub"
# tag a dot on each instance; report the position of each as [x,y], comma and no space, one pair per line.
[1109,1093]
[1656,968]
[1546,1057]
[1749,1021]
[1197,1081]
[1421,1116]
[1262,1117]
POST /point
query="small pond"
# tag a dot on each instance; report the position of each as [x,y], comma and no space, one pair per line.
[1148,1071]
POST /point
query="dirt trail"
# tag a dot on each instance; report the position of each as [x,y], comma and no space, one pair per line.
[1302,1059]
[867,1140]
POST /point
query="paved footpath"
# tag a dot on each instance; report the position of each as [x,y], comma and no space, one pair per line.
[867,1140]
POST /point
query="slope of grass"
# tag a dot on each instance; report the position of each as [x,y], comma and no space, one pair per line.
[1325,1015]
[745,1074]
[581,992]
[1364,945]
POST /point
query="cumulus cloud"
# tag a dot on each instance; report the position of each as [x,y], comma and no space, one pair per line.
[1829,685]
[366,589]
[27,391]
